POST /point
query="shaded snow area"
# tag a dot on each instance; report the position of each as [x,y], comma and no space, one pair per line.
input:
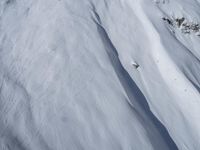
[99,74]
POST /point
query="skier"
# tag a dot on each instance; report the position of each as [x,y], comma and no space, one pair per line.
[136,65]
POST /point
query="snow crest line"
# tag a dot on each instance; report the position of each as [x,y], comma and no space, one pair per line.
[136,98]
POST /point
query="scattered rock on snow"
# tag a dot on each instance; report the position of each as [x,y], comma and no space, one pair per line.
[184,25]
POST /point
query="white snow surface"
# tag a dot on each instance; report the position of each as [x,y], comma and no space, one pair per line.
[98,75]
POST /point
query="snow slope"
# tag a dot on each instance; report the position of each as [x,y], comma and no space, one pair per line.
[99,75]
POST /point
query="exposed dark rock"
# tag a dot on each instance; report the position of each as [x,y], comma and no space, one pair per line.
[169,21]
[185,26]
[179,21]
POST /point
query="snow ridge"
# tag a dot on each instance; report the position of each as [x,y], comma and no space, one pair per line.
[136,99]
[99,75]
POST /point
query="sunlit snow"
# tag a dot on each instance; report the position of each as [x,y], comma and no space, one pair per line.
[99,74]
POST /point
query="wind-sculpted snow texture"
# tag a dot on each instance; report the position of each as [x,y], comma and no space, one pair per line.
[99,75]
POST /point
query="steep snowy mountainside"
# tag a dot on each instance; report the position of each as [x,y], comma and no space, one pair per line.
[169,70]
[99,74]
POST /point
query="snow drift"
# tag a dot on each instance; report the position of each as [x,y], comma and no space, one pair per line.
[99,74]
